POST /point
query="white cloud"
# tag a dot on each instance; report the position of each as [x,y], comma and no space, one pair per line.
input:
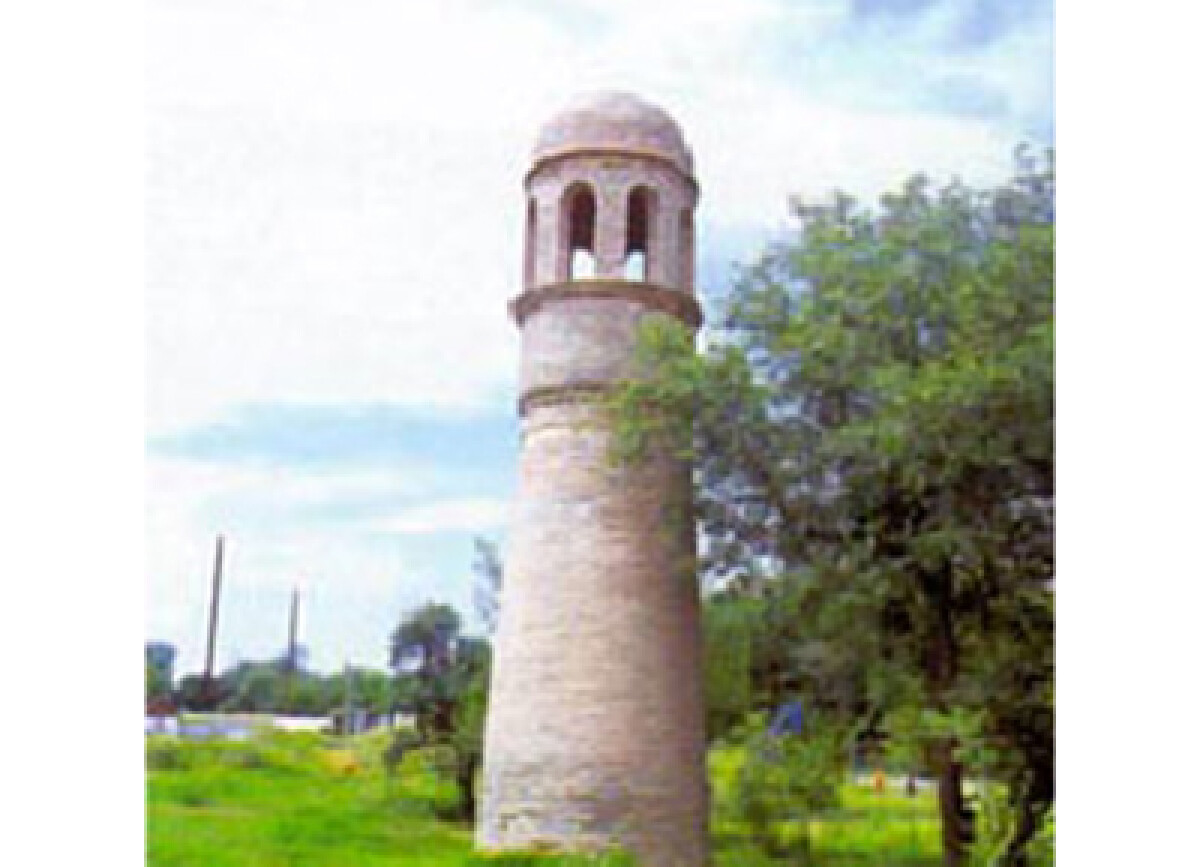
[800,145]
[318,264]
[471,514]
[334,200]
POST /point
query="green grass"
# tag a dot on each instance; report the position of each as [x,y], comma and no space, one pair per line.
[283,799]
[867,828]
[888,828]
[298,800]
[290,800]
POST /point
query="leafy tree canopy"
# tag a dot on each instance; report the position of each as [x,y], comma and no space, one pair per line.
[160,668]
[873,417]
[441,678]
[425,638]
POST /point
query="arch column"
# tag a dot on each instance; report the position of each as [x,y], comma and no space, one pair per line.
[664,249]
[610,233]
[558,239]
[546,254]
[686,222]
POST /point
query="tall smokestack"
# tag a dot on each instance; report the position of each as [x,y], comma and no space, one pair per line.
[214,606]
[291,652]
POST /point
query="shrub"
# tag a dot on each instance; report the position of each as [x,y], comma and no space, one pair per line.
[166,753]
[403,741]
[263,750]
[342,762]
[782,785]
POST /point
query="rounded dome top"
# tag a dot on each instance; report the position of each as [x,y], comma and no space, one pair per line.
[614,121]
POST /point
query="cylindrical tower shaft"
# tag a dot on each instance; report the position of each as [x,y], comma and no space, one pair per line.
[595,723]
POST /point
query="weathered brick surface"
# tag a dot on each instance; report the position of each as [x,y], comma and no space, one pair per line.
[588,340]
[595,724]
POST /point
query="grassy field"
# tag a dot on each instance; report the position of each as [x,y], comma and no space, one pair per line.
[307,800]
[290,800]
[867,828]
[302,800]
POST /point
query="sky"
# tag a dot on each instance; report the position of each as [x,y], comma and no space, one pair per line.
[333,228]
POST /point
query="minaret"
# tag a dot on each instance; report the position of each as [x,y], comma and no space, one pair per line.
[595,729]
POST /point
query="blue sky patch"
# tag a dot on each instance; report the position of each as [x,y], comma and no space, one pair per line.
[346,435]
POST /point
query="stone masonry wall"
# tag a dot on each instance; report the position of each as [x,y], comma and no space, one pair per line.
[595,731]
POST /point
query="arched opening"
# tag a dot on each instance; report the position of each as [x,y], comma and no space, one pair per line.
[580,228]
[530,242]
[687,250]
[638,220]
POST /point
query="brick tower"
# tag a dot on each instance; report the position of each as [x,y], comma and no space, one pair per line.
[595,723]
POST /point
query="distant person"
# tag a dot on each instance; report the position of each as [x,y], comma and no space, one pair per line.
[787,720]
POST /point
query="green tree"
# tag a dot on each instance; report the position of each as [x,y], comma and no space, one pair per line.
[160,667]
[190,692]
[489,576]
[157,686]
[441,677]
[254,687]
[783,784]
[471,672]
[734,645]
[309,694]
[873,417]
[373,691]
[424,643]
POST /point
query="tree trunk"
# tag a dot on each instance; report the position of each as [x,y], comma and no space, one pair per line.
[1016,853]
[958,831]
[956,819]
[467,766]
